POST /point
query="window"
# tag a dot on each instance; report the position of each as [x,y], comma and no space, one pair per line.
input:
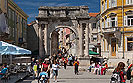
[94,37]
[0,3]
[13,15]
[130,44]
[9,14]
[102,6]
[5,4]
[106,23]
[128,2]
[113,22]
[102,24]
[105,4]
[130,20]
[112,3]
[94,25]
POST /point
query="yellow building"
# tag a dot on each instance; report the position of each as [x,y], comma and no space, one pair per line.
[116,25]
[17,21]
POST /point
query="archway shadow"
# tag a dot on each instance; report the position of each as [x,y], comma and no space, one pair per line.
[61,81]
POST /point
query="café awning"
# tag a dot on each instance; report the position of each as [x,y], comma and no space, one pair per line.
[9,49]
[93,53]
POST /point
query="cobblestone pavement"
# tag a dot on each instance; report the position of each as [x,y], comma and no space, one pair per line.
[68,76]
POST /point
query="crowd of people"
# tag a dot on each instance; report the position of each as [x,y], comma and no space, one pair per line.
[119,75]
[99,68]
[48,67]
[44,69]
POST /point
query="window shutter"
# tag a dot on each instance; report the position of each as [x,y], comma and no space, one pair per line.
[115,3]
[109,3]
[116,21]
[105,23]
[126,1]
[109,22]
[125,20]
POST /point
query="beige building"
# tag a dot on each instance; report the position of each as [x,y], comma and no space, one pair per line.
[94,40]
[17,22]
[14,26]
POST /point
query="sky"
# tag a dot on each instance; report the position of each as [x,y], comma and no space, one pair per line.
[30,7]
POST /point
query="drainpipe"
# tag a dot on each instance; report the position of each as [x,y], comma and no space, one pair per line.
[123,25]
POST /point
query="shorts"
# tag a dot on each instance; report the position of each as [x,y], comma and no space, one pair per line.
[55,72]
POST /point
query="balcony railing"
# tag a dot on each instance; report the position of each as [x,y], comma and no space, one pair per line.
[109,30]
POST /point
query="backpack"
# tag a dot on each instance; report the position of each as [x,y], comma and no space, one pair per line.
[129,74]
[115,78]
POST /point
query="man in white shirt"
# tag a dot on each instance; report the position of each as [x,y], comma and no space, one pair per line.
[55,68]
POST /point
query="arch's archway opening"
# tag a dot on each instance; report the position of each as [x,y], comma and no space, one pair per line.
[63,42]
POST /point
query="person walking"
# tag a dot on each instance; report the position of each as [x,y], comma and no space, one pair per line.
[76,64]
[65,63]
[55,68]
[32,64]
[120,73]
[39,66]
[35,70]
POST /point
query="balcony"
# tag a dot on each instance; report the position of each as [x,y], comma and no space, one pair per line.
[109,30]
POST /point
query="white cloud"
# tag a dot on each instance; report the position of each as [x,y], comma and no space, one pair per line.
[37,4]
[63,4]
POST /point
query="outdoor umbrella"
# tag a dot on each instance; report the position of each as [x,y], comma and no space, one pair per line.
[9,49]
[93,53]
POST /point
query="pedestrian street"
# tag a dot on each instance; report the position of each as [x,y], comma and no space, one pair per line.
[68,76]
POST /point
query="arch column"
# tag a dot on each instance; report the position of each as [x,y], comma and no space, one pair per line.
[46,39]
[41,51]
[80,41]
[87,41]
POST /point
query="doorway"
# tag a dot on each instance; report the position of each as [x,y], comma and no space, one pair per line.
[113,46]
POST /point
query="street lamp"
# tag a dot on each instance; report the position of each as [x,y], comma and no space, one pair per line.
[123,25]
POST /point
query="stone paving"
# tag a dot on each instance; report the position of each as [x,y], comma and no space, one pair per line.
[68,76]
[14,78]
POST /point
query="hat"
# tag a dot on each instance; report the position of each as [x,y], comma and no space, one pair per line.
[99,62]
[43,75]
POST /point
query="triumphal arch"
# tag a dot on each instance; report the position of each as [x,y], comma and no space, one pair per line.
[75,18]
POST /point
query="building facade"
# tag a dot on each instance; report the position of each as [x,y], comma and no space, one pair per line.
[32,38]
[17,23]
[94,43]
[3,19]
[117,29]
[13,25]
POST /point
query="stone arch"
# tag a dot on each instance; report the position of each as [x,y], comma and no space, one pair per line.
[71,28]
[57,17]
[62,26]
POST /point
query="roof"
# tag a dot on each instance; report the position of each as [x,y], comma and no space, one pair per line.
[93,14]
[32,22]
